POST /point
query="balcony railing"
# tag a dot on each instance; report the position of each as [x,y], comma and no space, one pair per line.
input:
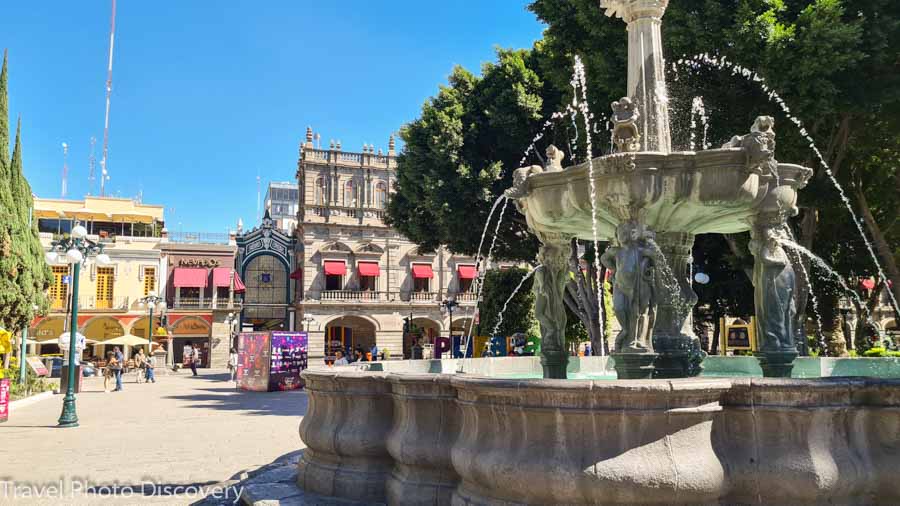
[423,296]
[205,303]
[118,302]
[199,237]
[354,296]
[465,297]
[346,212]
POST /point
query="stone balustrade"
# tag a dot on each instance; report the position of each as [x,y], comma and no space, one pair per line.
[418,432]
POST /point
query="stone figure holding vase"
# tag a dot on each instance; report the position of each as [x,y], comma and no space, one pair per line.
[634,299]
[773,289]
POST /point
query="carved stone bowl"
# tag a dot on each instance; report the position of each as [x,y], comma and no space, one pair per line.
[712,191]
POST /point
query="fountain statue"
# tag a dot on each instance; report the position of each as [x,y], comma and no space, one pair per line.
[634,298]
[655,201]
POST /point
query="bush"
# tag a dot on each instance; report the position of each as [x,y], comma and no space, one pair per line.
[34,384]
[880,351]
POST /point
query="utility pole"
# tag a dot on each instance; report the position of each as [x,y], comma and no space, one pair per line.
[92,160]
[112,37]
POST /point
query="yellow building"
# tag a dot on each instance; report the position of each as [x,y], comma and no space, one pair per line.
[108,294]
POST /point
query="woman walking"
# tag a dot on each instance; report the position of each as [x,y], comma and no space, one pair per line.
[110,371]
[232,363]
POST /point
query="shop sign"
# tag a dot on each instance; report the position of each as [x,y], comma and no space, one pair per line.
[37,366]
[49,328]
[191,326]
[4,399]
[199,262]
[103,329]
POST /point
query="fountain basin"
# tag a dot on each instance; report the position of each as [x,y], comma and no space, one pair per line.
[712,191]
[403,435]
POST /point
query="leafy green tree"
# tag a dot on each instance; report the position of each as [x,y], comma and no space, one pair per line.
[519,313]
[9,269]
[814,53]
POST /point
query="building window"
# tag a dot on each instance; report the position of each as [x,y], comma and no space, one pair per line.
[59,290]
[380,195]
[105,279]
[334,282]
[421,284]
[367,283]
[465,285]
[149,280]
[320,191]
[350,194]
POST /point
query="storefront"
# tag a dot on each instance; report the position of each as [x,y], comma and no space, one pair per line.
[187,331]
[47,332]
[99,329]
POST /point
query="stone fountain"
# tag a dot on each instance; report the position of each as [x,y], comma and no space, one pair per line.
[490,431]
[651,202]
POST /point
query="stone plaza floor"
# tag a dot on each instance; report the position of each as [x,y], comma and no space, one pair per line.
[182,431]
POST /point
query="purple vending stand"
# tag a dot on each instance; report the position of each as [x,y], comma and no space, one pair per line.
[288,360]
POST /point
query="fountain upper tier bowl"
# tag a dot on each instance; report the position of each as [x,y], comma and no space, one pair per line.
[712,191]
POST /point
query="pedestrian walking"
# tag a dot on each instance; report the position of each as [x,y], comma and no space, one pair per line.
[120,359]
[110,371]
[149,373]
[140,363]
[232,363]
[195,358]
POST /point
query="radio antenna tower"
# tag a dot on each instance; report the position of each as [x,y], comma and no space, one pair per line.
[65,169]
[91,161]
[112,37]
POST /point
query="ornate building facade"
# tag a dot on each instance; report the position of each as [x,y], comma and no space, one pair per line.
[358,279]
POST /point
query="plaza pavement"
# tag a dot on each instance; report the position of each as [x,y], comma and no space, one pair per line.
[180,431]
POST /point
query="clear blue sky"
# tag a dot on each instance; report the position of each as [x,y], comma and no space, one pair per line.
[208,94]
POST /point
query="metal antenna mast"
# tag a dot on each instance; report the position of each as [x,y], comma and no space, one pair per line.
[91,161]
[112,38]
[65,169]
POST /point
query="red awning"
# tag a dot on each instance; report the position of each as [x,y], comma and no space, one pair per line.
[187,277]
[297,274]
[222,277]
[368,269]
[335,267]
[420,271]
[466,271]
[238,283]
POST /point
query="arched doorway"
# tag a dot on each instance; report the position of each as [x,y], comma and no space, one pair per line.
[461,326]
[347,333]
[267,293]
[188,331]
[100,329]
[424,329]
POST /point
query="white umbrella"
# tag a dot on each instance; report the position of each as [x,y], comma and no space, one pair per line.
[126,340]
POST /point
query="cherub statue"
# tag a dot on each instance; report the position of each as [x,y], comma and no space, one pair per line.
[625,132]
[759,144]
[634,261]
[554,159]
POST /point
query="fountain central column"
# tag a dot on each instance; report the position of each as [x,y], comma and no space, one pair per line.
[646,69]
[673,336]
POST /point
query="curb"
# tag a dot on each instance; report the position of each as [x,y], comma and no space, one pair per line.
[21,403]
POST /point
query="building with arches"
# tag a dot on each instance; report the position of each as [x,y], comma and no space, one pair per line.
[356,278]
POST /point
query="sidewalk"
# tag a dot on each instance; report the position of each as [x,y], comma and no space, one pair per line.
[179,432]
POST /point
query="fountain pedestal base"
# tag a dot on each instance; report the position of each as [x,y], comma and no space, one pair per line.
[634,365]
[777,364]
[554,365]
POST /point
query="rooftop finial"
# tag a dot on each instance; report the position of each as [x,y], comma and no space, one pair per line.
[338,145]
[391,145]
[331,144]
[309,134]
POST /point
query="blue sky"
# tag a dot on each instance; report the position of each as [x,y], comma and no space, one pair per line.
[208,94]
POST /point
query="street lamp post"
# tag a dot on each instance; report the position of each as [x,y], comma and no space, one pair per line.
[450,303]
[77,248]
[230,320]
[151,301]
[307,320]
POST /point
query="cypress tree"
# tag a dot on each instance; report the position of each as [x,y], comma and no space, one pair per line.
[34,273]
[9,291]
